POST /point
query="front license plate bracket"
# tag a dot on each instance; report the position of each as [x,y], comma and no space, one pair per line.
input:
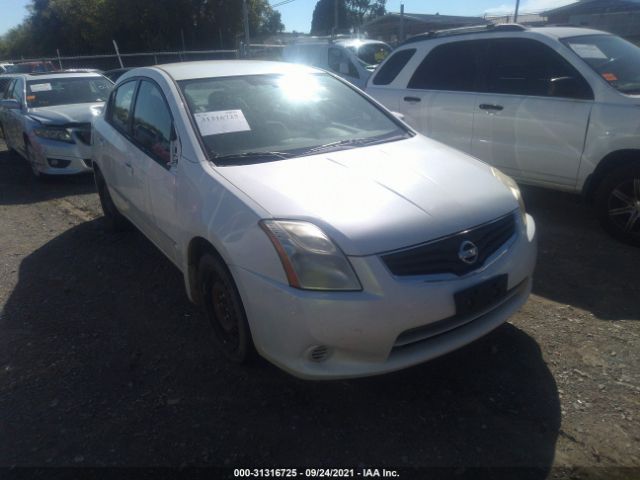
[479,297]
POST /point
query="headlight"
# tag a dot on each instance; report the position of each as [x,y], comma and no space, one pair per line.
[309,258]
[50,133]
[511,184]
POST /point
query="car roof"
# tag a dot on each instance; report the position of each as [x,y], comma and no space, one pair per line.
[359,41]
[564,32]
[556,32]
[224,68]
[54,75]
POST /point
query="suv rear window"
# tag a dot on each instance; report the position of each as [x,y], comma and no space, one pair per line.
[452,66]
[392,67]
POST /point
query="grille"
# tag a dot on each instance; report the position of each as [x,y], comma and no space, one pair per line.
[441,256]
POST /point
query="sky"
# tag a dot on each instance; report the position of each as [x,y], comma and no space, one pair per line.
[296,15]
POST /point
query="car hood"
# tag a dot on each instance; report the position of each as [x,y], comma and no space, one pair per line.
[379,198]
[63,114]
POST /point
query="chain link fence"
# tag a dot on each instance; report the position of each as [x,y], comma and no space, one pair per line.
[112,61]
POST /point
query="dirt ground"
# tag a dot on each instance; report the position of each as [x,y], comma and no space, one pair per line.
[104,362]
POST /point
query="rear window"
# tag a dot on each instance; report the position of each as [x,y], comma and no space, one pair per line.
[392,67]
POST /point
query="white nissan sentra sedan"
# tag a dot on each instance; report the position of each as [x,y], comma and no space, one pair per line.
[311,224]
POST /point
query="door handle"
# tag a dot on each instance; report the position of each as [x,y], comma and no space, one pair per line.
[412,99]
[129,166]
[488,106]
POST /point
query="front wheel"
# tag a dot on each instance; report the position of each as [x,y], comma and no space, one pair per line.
[223,307]
[32,163]
[618,204]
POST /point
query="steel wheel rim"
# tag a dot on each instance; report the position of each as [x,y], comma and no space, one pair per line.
[623,206]
[222,312]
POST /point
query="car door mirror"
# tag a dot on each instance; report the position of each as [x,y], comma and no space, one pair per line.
[10,104]
[175,148]
[569,87]
[398,115]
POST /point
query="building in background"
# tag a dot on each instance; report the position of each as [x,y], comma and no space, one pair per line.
[387,27]
[528,19]
[621,17]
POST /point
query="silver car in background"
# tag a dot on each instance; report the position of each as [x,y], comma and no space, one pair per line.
[47,118]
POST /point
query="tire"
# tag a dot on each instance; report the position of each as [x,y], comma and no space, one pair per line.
[617,203]
[114,221]
[27,151]
[223,308]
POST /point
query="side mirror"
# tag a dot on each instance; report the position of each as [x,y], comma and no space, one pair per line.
[10,104]
[175,148]
[569,87]
[398,115]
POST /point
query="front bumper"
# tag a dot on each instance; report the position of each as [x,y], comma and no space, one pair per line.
[59,158]
[328,335]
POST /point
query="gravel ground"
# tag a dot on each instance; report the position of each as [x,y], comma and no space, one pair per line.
[104,362]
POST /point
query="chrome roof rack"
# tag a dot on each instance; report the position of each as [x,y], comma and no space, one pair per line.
[450,32]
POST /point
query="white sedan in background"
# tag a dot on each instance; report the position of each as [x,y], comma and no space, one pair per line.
[308,221]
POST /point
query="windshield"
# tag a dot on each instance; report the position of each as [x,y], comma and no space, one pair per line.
[615,60]
[371,53]
[49,92]
[257,118]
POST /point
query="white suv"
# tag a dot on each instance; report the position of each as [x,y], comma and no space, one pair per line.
[554,106]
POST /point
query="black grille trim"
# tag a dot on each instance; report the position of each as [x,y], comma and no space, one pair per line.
[441,256]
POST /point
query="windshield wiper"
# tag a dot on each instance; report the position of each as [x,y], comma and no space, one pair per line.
[353,143]
[245,158]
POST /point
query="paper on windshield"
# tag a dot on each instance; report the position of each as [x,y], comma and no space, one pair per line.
[223,121]
[588,51]
[40,87]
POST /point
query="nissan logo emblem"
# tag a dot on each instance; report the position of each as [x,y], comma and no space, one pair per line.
[468,252]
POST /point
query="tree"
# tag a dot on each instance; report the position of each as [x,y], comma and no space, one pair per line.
[88,26]
[323,20]
[351,14]
[270,22]
[360,11]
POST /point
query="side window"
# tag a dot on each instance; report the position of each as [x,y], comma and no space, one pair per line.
[18,91]
[451,66]
[6,84]
[152,122]
[392,67]
[520,66]
[340,63]
[120,106]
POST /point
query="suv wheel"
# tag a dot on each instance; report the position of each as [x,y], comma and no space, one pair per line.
[223,307]
[618,204]
[113,219]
